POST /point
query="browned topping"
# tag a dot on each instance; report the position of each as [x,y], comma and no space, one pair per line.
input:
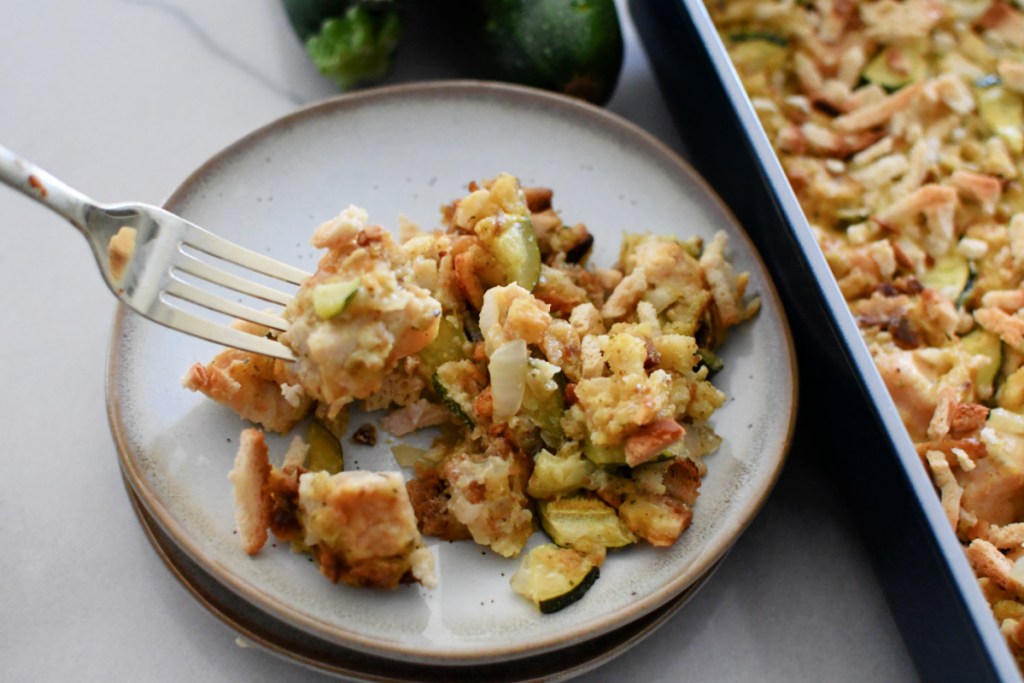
[923,229]
[653,359]
[283,489]
[651,440]
[429,496]
[570,394]
[967,418]
[683,480]
[538,198]
[904,334]
[483,404]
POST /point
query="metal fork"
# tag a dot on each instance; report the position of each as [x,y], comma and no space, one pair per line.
[166,246]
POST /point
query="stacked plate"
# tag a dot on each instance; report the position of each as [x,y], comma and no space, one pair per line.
[410,150]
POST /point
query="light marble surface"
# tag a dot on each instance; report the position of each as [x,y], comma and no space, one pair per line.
[123,98]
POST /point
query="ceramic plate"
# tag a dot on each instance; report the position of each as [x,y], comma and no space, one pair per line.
[280,639]
[408,150]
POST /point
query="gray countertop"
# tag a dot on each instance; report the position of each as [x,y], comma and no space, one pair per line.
[124,98]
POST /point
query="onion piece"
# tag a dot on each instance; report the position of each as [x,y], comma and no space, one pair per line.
[507,367]
[406,455]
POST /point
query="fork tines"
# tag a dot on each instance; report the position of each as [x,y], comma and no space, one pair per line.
[182,261]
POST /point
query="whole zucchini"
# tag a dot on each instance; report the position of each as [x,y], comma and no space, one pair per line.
[569,46]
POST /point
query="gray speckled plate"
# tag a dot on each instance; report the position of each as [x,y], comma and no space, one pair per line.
[408,150]
[279,638]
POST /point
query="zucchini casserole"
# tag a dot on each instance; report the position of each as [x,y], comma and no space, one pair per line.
[563,396]
[900,125]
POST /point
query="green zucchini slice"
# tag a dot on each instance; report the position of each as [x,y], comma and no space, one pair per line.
[894,67]
[517,252]
[949,275]
[1003,112]
[455,384]
[553,578]
[545,407]
[758,53]
[448,345]
[981,342]
[605,456]
[558,475]
[710,360]
[325,451]
[330,299]
[581,521]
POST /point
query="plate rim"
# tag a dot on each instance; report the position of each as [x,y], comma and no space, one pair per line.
[624,638]
[714,552]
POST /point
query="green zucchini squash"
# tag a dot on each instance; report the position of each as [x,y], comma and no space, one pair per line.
[325,451]
[455,383]
[554,578]
[330,299]
[984,343]
[894,67]
[516,250]
[569,46]
[448,345]
[581,521]
[605,456]
[558,475]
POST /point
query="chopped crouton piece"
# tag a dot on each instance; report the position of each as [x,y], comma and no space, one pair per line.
[992,564]
[252,501]
[362,529]
[949,489]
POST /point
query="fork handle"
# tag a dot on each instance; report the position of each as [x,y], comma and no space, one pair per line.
[36,183]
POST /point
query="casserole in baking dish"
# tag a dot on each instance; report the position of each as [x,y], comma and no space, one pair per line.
[880,143]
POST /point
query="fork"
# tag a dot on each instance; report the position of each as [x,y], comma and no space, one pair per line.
[165,247]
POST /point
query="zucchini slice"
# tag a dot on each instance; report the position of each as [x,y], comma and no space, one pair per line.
[581,521]
[758,53]
[612,457]
[894,67]
[949,276]
[710,360]
[1003,112]
[543,404]
[325,451]
[981,342]
[605,456]
[448,345]
[553,578]
[330,299]
[558,475]
[517,252]
[455,383]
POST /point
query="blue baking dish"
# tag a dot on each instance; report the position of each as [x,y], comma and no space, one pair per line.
[946,623]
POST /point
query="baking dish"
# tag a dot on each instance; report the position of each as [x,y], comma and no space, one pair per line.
[945,620]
